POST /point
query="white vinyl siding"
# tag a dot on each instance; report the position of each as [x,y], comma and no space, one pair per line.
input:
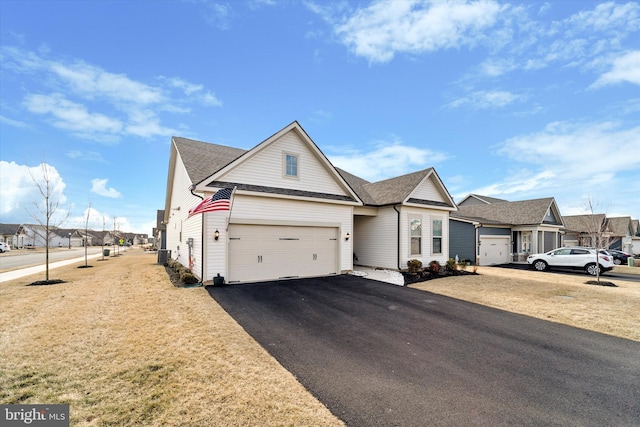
[376,239]
[179,228]
[428,190]
[427,216]
[266,168]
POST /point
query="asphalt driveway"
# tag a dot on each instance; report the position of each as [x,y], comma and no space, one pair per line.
[382,355]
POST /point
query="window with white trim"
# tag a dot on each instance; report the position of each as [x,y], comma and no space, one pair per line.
[415,231]
[436,236]
[290,165]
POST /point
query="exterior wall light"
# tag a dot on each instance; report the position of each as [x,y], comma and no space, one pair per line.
[346,237]
[216,234]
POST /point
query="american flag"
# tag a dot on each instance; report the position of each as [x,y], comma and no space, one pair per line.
[218,202]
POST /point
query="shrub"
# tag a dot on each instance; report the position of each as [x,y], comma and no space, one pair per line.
[450,265]
[434,266]
[187,277]
[414,266]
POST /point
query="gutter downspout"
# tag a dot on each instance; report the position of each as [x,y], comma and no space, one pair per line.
[191,187]
[398,239]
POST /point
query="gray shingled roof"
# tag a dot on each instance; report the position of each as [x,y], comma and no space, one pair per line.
[620,226]
[525,212]
[9,229]
[582,223]
[486,199]
[202,159]
[395,190]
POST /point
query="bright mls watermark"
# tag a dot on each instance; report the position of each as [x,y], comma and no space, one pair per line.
[35,415]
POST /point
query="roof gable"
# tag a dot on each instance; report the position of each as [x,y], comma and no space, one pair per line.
[525,212]
[420,188]
[620,226]
[476,199]
[260,169]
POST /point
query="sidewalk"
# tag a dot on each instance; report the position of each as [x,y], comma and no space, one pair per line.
[388,276]
[16,274]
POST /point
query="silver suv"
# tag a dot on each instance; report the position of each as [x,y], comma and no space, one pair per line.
[578,258]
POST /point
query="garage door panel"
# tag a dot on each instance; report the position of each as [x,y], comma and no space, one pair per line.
[494,250]
[271,252]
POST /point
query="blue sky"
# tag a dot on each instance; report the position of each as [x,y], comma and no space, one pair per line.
[516,100]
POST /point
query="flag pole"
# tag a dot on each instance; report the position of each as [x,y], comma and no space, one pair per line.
[233,192]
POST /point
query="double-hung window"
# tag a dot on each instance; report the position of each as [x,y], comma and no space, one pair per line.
[290,165]
[436,235]
[415,224]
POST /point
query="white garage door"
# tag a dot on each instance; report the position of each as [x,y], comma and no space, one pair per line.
[494,250]
[265,252]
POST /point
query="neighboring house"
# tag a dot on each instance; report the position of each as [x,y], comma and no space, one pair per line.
[293,214]
[159,232]
[619,233]
[489,231]
[635,237]
[9,234]
[622,232]
[581,230]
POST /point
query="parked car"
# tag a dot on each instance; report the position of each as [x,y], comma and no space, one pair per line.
[577,258]
[4,247]
[619,257]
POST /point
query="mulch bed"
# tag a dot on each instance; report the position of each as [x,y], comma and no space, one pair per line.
[423,276]
[174,277]
[46,282]
[601,283]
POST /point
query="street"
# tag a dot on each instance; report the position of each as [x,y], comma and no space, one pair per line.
[22,258]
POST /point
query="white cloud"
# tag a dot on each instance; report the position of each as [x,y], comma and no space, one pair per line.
[387,159]
[625,68]
[93,156]
[91,81]
[219,15]
[99,186]
[12,122]
[98,104]
[570,147]
[487,99]
[195,91]
[19,193]
[571,162]
[384,28]
[72,116]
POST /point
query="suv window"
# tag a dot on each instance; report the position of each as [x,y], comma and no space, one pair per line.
[562,252]
[580,252]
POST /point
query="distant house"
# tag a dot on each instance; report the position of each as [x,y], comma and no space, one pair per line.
[159,232]
[490,231]
[635,237]
[9,234]
[616,232]
[291,213]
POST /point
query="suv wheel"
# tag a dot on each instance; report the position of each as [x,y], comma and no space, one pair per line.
[592,269]
[540,265]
